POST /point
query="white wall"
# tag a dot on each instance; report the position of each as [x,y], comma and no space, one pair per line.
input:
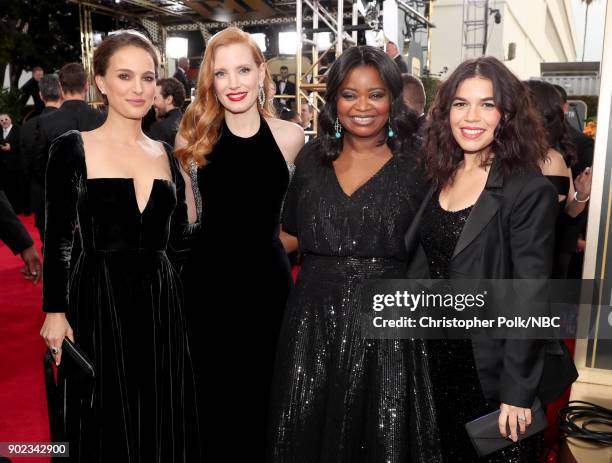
[543,31]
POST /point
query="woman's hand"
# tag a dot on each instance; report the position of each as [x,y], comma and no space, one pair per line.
[54,330]
[582,184]
[513,416]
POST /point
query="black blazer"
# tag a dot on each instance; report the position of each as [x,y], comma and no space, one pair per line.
[401,64]
[509,234]
[183,79]
[165,129]
[12,231]
[72,115]
[29,138]
[289,88]
[11,159]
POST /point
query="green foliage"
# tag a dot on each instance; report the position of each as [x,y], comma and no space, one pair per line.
[591,102]
[38,33]
[11,103]
[431,85]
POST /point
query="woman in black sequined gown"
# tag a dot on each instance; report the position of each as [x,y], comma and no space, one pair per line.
[337,396]
[237,276]
[124,194]
[489,215]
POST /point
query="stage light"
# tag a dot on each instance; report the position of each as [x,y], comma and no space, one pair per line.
[176,47]
[287,43]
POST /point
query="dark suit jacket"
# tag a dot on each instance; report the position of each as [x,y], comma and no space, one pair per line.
[165,129]
[30,88]
[72,115]
[508,235]
[401,63]
[11,159]
[29,137]
[289,88]
[12,231]
[183,79]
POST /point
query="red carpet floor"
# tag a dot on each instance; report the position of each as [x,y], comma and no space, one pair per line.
[23,404]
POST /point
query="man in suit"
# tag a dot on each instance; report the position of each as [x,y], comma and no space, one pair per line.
[30,89]
[73,114]
[181,75]
[11,164]
[169,98]
[51,94]
[284,86]
[17,238]
[393,52]
[413,94]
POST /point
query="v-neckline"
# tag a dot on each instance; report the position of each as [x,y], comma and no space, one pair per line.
[364,184]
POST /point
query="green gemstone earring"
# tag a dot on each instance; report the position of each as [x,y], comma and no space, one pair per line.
[390,133]
[338,128]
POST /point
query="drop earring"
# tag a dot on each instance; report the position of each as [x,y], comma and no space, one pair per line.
[390,133]
[338,128]
[262,96]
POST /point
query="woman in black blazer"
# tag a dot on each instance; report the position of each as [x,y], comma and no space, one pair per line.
[491,215]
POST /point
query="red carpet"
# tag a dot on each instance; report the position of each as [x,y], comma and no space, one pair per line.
[23,404]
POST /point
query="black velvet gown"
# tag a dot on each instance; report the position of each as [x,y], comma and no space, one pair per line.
[123,300]
[456,389]
[339,397]
[237,281]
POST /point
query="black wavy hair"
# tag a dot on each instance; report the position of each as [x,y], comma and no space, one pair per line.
[519,143]
[548,101]
[403,120]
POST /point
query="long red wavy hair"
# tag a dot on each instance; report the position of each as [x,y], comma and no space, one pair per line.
[201,124]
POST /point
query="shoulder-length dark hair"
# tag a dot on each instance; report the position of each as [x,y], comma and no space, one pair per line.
[519,143]
[403,120]
[549,103]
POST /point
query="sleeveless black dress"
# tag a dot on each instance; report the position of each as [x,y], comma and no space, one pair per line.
[123,299]
[237,280]
[456,389]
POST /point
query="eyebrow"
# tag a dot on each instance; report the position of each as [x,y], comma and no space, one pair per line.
[369,90]
[238,66]
[482,99]
[129,70]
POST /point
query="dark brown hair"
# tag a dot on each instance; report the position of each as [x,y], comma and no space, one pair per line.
[172,87]
[549,102]
[121,39]
[519,142]
[73,78]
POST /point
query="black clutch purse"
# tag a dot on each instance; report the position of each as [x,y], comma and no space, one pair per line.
[75,363]
[484,431]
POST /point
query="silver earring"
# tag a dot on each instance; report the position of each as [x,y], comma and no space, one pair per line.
[338,128]
[262,96]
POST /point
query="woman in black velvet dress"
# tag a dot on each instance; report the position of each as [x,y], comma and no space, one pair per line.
[490,215]
[122,301]
[337,396]
[237,276]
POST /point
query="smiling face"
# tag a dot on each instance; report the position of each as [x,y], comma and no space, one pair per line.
[237,77]
[5,121]
[474,115]
[129,82]
[363,103]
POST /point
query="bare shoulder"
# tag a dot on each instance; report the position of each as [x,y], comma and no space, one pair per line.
[288,136]
[179,142]
[554,164]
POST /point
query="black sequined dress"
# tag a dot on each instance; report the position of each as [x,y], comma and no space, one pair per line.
[338,397]
[456,387]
